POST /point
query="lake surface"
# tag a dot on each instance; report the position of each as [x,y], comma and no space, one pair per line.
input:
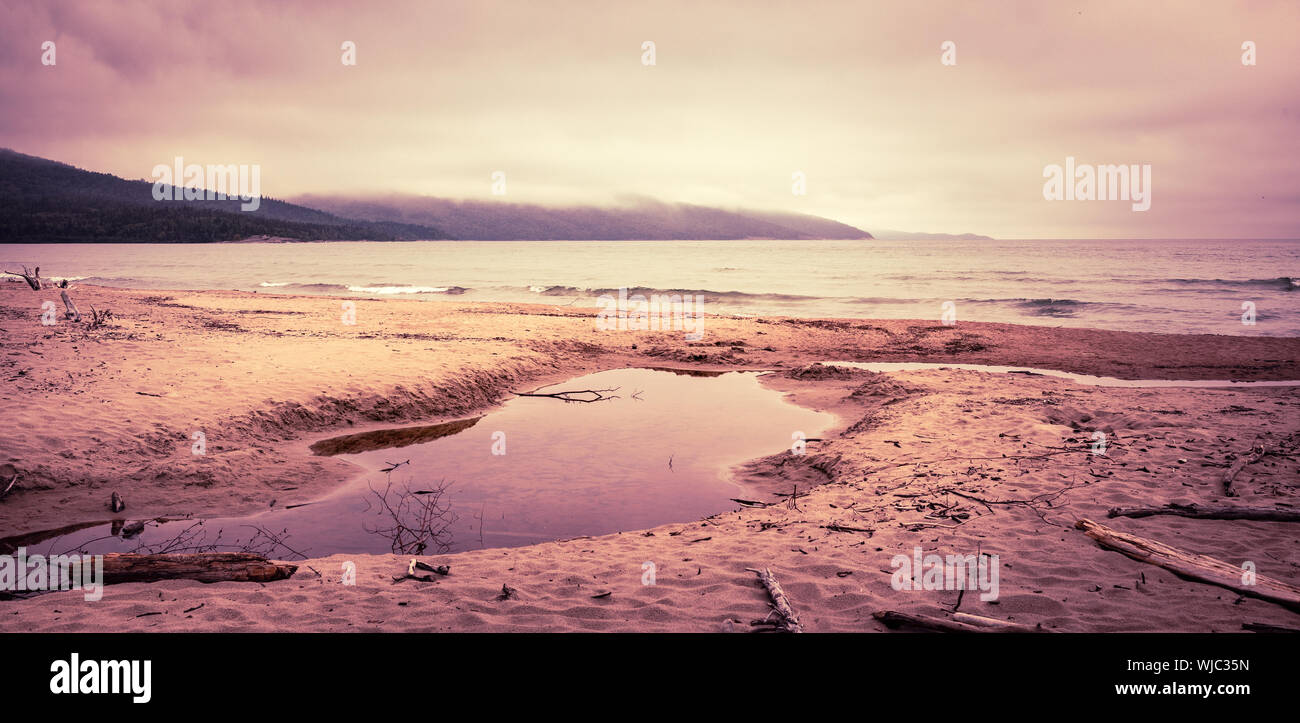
[535,470]
[1167,286]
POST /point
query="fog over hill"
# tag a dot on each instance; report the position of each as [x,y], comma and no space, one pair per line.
[637,218]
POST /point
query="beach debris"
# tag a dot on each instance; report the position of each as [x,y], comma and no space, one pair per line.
[846,528]
[597,395]
[116,503]
[196,607]
[1201,568]
[72,313]
[33,279]
[958,623]
[507,592]
[7,486]
[1266,628]
[748,503]
[394,465]
[417,565]
[440,569]
[602,594]
[1210,512]
[132,529]
[201,566]
[787,620]
[1255,454]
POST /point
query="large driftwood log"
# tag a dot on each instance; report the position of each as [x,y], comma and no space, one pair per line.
[960,623]
[1255,454]
[33,279]
[1211,512]
[201,566]
[1201,568]
[781,603]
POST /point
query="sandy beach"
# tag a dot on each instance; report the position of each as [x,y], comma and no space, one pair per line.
[945,460]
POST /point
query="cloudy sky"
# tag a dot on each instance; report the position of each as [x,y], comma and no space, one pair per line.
[741,96]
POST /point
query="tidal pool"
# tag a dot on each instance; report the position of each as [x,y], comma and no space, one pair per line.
[658,447]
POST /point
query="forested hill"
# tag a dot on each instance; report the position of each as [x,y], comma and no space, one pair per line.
[47,201]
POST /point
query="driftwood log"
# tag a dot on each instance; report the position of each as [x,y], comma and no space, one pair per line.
[1201,568]
[1267,628]
[33,279]
[1256,453]
[780,603]
[201,566]
[72,312]
[960,623]
[1211,512]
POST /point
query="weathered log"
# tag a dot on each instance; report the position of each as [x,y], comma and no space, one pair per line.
[1211,512]
[115,503]
[1255,454]
[980,621]
[72,312]
[961,623]
[789,621]
[201,566]
[1201,568]
[33,279]
[1267,628]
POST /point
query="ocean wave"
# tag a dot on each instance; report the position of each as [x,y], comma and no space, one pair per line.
[707,294]
[1058,308]
[405,289]
[1280,283]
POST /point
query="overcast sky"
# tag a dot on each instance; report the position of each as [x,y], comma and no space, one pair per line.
[742,95]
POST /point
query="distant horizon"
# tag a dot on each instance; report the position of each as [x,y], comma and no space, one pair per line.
[630,201]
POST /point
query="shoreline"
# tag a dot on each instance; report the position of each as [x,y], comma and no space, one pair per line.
[264,374]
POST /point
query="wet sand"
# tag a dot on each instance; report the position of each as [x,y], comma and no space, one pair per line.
[262,376]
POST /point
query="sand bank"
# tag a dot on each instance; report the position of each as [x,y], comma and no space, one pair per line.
[91,411]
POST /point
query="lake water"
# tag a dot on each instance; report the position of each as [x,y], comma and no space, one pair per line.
[1168,286]
[535,470]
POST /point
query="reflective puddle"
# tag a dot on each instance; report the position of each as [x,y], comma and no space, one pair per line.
[653,446]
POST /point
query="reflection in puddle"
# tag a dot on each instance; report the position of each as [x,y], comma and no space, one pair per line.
[658,450]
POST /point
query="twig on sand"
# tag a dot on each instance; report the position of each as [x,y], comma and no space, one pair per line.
[846,528]
[1212,512]
[597,395]
[788,621]
[1201,568]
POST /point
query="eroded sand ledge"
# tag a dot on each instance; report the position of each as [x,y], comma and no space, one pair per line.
[263,375]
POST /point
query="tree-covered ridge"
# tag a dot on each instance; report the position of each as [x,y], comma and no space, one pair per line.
[46,201]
